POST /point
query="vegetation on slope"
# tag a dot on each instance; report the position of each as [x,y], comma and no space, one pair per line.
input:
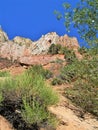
[84,77]
[29,96]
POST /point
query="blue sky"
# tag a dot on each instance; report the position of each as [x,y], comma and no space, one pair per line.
[32,18]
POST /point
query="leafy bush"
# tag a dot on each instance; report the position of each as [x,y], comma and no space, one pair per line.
[4,74]
[82,50]
[88,53]
[84,77]
[48,74]
[40,70]
[33,112]
[70,56]
[69,73]
[54,49]
[85,69]
[84,93]
[29,94]
[56,81]
[58,49]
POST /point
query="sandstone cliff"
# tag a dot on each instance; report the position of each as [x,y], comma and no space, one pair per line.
[22,48]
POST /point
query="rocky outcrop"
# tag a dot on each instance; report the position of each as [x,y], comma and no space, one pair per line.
[42,45]
[13,51]
[3,36]
[40,59]
[22,41]
[22,48]
[69,42]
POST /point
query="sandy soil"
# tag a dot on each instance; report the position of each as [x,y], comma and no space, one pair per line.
[68,115]
[4,124]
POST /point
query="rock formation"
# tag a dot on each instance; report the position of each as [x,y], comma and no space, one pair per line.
[20,47]
[3,36]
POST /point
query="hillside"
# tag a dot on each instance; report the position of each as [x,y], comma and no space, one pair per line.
[48,84]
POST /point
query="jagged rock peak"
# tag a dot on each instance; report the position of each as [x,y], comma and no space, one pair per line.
[42,45]
[3,36]
[21,47]
[22,41]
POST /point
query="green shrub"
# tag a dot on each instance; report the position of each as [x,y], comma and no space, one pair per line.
[30,93]
[82,50]
[69,73]
[84,95]
[54,49]
[4,74]
[89,53]
[48,74]
[56,81]
[38,69]
[33,112]
[70,56]
[84,69]
[58,49]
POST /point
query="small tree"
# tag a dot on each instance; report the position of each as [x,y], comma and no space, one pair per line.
[84,17]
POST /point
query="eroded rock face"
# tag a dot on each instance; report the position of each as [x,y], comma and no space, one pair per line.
[13,51]
[3,36]
[40,59]
[42,45]
[22,41]
[21,48]
[70,42]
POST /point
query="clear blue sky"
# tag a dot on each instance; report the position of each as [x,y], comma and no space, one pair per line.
[32,18]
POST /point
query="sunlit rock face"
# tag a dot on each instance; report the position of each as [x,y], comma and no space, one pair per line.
[42,45]
[20,47]
[22,41]
[3,36]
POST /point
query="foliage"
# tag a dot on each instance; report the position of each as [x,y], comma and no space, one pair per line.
[48,74]
[84,73]
[82,50]
[40,70]
[58,49]
[69,56]
[4,74]
[85,95]
[57,81]
[89,53]
[84,17]
[69,73]
[29,94]
[54,49]
[33,112]
[80,69]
